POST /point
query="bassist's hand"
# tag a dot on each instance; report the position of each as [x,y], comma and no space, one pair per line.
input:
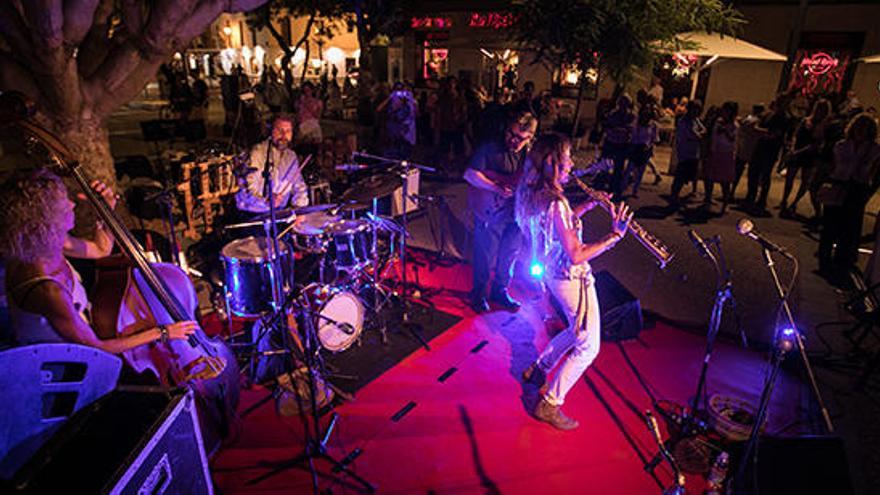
[182,329]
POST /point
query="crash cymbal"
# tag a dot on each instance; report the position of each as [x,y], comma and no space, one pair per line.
[373,187]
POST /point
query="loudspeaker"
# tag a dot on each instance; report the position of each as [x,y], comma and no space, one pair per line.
[802,466]
[620,311]
[128,442]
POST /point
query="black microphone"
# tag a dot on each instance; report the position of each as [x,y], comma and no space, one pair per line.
[747,228]
[699,243]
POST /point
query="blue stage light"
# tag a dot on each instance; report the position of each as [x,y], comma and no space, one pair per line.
[536,269]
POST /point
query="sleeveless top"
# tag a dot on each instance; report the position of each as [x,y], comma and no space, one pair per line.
[546,243]
[32,328]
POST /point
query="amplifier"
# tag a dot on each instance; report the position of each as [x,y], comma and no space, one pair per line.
[128,442]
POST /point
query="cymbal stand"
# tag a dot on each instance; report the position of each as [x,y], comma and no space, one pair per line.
[404,167]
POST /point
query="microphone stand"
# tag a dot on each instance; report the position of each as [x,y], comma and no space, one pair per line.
[270,227]
[691,425]
[781,347]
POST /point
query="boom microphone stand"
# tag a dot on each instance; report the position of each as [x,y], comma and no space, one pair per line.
[691,424]
[316,437]
[783,342]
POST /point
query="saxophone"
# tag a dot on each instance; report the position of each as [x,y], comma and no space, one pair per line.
[654,246]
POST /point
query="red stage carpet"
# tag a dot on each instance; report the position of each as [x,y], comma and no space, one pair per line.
[472,433]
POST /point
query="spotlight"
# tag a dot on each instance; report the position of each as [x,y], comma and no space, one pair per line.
[536,269]
[787,339]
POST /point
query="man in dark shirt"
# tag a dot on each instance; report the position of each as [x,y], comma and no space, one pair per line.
[772,129]
[493,172]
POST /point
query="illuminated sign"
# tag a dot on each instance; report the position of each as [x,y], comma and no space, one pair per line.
[430,22]
[819,63]
[492,20]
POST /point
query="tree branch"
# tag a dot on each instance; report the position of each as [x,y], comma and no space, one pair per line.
[96,45]
[78,18]
[133,15]
[46,21]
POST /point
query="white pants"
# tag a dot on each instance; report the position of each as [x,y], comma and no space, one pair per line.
[580,340]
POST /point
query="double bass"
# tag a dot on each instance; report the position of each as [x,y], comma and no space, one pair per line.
[138,295]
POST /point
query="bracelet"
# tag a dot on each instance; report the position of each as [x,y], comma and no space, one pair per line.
[163,334]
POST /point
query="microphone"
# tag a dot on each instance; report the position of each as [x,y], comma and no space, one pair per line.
[747,228]
[348,167]
[699,243]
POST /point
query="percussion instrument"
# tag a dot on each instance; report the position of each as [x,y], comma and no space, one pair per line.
[350,244]
[309,233]
[248,275]
[340,316]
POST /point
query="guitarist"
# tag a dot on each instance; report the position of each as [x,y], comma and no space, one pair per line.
[493,174]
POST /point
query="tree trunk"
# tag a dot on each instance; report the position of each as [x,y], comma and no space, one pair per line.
[89,142]
[577,109]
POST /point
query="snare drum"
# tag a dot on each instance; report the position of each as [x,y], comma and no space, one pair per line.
[248,276]
[340,318]
[309,232]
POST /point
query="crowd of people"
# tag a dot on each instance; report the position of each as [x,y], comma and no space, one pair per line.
[800,137]
[825,143]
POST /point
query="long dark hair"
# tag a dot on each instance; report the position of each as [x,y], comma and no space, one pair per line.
[540,183]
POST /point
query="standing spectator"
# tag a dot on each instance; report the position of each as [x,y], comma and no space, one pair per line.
[308,120]
[527,102]
[689,131]
[853,182]
[721,160]
[771,129]
[850,104]
[400,110]
[746,140]
[618,133]
[642,148]
[808,142]
[451,114]
[656,91]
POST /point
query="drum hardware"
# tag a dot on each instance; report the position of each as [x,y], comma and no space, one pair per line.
[402,172]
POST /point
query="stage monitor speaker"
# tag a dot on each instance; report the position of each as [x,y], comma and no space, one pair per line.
[621,312]
[803,465]
[128,442]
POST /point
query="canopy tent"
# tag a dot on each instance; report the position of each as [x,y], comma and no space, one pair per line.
[715,46]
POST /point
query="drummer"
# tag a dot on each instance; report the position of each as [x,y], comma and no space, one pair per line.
[289,188]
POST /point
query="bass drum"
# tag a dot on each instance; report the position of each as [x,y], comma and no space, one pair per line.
[340,318]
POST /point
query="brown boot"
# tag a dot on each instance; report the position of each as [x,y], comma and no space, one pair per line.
[553,415]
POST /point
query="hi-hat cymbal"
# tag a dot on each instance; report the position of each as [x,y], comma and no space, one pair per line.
[373,187]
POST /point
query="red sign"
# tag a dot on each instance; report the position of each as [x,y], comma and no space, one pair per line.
[493,20]
[819,63]
[430,22]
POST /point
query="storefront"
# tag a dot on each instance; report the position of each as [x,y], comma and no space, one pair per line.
[474,45]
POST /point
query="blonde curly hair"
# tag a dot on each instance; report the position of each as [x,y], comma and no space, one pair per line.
[32,213]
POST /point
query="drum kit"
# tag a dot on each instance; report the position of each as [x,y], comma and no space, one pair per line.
[348,249]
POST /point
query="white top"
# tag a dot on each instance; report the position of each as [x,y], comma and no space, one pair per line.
[287,180]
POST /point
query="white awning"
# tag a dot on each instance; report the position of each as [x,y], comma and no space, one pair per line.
[715,45]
